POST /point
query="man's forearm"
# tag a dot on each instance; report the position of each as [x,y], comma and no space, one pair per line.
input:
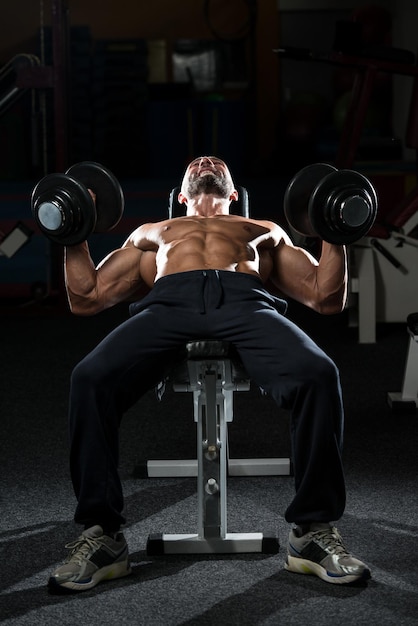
[80,276]
[332,277]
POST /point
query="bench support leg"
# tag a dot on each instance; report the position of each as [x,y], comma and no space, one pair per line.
[211,384]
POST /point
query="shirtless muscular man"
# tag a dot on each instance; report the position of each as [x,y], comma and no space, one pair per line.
[205,273]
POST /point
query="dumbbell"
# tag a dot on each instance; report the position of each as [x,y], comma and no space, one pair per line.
[65,211]
[339,206]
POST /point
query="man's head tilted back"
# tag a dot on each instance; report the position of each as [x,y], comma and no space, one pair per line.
[207,175]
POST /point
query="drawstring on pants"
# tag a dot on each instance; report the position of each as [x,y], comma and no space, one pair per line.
[202,293]
[215,290]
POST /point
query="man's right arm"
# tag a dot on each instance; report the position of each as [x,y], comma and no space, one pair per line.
[92,289]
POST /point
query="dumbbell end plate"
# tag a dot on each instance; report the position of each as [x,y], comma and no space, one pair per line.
[50,216]
[343,207]
[63,209]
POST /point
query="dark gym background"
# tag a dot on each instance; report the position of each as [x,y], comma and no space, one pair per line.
[146,86]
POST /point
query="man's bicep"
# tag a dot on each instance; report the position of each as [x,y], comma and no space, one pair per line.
[292,270]
[121,262]
[119,274]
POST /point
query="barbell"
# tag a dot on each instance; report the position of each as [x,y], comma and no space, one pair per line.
[339,206]
[64,209]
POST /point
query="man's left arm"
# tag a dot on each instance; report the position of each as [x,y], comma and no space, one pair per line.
[321,285]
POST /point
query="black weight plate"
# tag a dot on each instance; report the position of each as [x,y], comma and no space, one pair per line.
[110,201]
[344,182]
[51,188]
[298,193]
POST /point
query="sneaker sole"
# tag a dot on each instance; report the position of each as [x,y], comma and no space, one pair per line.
[302,566]
[110,572]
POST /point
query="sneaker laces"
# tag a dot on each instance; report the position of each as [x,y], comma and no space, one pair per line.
[331,541]
[81,549]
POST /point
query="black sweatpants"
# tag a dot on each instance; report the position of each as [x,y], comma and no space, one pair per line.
[277,355]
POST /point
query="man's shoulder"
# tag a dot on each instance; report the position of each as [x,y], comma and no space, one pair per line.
[266,223]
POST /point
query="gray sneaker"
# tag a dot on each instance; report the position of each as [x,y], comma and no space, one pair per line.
[93,557]
[321,552]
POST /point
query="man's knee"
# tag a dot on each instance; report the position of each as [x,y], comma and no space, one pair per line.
[321,370]
[85,373]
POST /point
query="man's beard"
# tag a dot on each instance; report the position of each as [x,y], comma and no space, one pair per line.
[209,183]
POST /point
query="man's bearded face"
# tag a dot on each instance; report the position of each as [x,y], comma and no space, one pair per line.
[209,183]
